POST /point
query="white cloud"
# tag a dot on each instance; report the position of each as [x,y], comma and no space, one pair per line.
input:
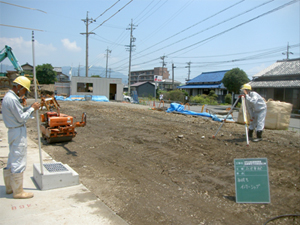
[23,49]
[254,70]
[17,44]
[71,46]
[22,46]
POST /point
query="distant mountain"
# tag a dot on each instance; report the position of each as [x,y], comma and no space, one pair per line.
[76,71]
[4,67]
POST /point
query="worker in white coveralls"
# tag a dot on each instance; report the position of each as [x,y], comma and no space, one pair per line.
[15,116]
[257,109]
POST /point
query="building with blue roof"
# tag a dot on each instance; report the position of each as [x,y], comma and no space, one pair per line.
[206,82]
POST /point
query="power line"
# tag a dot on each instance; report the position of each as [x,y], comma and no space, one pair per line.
[23,7]
[149,11]
[220,33]
[177,13]
[223,10]
[181,31]
[113,15]
[200,22]
[142,12]
[256,56]
[26,28]
[210,27]
[108,9]
[253,57]
[214,56]
[232,28]
[106,40]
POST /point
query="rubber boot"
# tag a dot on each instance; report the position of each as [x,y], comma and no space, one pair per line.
[6,176]
[259,136]
[250,134]
[17,186]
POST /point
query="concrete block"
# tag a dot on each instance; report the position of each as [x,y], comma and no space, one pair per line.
[55,175]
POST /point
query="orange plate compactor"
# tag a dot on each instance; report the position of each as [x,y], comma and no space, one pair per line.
[58,127]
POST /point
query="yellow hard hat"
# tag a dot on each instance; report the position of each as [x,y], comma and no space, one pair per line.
[23,81]
[246,87]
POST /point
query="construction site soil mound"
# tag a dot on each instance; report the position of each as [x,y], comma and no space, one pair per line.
[153,167]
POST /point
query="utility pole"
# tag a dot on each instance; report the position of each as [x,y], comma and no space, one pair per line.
[287,52]
[131,45]
[87,22]
[163,64]
[109,72]
[173,67]
[189,71]
[107,52]
[162,73]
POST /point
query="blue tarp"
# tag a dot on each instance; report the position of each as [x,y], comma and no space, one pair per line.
[180,109]
[99,98]
[96,98]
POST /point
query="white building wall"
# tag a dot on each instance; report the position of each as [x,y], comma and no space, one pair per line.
[101,86]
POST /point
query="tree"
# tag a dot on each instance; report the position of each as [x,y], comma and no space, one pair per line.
[234,79]
[45,74]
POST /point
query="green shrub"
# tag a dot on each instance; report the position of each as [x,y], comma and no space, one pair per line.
[213,94]
[204,99]
[175,95]
[228,98]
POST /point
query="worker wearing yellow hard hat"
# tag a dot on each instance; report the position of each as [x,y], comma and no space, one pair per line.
[23,81]
[246,87]
[15,117]
[257,109]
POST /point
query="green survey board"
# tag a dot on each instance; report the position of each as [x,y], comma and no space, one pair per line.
[252,180]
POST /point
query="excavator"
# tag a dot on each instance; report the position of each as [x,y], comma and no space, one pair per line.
[5,83]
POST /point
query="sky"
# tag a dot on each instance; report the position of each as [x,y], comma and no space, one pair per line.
[210,35]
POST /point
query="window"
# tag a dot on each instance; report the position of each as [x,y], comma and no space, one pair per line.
[85,87]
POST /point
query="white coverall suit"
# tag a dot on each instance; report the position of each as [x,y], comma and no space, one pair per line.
[15,116]
[257,109]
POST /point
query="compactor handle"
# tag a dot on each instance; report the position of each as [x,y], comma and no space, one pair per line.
[83,121]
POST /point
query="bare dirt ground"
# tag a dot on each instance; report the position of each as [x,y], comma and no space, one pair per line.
[153,167]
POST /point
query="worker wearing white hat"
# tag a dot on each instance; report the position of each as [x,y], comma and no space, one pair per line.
[15,117]
[257,109]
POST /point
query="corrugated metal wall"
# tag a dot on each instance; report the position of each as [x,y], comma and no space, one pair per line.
[62,88]
[101,86]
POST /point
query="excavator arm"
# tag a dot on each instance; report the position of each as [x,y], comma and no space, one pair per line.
[7,52]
